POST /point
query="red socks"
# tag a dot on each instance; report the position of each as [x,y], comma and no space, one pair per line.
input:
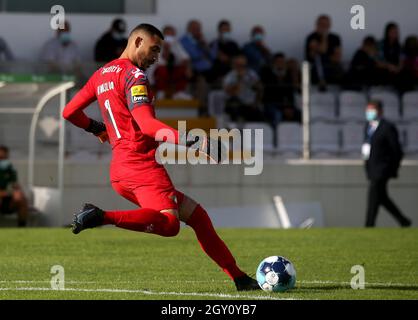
[167,225]
[211,244]
[146,220]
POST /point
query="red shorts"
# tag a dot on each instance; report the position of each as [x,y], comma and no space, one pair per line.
[146,184]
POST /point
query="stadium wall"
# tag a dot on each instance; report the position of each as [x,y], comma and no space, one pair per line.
[26,33]
[339,186]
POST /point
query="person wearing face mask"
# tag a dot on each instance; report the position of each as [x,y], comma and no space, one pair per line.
[12,198]
[61,53]
[382,153]
[257,53]
[112,43]
[223,50]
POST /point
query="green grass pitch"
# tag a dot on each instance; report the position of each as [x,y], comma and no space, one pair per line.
[110,263]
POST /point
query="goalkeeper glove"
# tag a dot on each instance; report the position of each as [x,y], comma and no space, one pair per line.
[98,129]
[214,149]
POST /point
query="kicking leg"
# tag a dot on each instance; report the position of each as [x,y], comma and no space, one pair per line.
[196,217]
[164,222]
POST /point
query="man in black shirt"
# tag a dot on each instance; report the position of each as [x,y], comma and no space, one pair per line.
[112,43]
[320,49]
[223,50]
[327,40]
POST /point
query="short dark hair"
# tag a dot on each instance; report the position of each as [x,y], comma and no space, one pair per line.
[323,16]
[222,23]
[4,148]
[148,28]
[369,40]
[119,24]
[279,55]
[376,103]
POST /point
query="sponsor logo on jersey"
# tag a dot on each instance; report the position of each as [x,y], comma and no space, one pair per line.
[139,73]
[111,69]
[139,94]
[139,90]
[104,87]
[140,99]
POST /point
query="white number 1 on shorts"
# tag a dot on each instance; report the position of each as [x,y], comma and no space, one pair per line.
[107,105]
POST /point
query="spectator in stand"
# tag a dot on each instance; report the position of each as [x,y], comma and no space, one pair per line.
[390,54]
[243,90]
[334,69]
[389,46]
[61,53]
[327,41]
[409,70]
[320,50]
[256,51]
[12,198]
[199,52]
[280,81]
[223,49]
[173,70]
[317,64]
[112,43]
[365,67]
[5,53]
[195,45]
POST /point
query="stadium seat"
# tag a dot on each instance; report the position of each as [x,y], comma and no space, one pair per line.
[352,105]
[379,89]
[216,106]
[216,102]
[352,139]
[410,106]
[412,139]
[403,133]
[289,138]
[322,106]
[324,138]
[267,144]
[391,106]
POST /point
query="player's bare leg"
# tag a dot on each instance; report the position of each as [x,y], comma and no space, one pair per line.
[196,217]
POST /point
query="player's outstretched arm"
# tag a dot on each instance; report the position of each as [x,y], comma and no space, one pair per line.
[150,126]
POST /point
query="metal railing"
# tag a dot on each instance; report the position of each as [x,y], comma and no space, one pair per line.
[60,89]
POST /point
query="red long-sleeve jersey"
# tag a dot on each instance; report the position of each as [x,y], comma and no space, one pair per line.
[126,105]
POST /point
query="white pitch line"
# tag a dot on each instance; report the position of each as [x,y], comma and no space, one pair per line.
[149,292]
[376,284]
[373,284]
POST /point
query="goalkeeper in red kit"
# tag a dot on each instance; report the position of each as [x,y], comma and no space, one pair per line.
[126,104]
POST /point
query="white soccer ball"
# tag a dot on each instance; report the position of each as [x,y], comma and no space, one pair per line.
[276,274]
